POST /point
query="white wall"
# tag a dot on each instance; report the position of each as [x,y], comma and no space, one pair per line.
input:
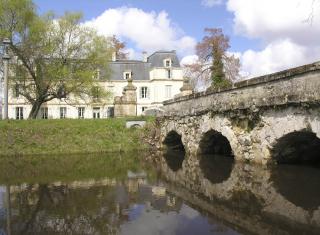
[156,86]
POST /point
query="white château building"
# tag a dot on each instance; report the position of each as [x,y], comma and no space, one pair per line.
[157,77]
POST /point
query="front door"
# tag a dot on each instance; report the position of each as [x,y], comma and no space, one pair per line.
[110,111]
[96,113]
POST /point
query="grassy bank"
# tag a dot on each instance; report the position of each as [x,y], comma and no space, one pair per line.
[68,136]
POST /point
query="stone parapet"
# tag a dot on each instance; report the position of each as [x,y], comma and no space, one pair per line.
[300,85]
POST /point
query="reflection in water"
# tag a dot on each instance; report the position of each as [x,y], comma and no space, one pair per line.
[281,199]
[175,152]
[216,158]
[4,210]
[95,208]
[132,201]
[216,168]
[131,198]
[174,158]
[298,184]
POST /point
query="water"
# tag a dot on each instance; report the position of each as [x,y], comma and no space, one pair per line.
[122,194]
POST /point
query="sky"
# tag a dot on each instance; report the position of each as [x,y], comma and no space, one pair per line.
[267,35]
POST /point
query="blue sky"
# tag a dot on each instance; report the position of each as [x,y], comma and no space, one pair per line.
[267,35]
[190,15]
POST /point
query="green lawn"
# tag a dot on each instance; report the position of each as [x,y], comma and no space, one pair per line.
[29,137]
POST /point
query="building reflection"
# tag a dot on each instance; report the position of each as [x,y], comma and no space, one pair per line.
[82,207]
[248,198]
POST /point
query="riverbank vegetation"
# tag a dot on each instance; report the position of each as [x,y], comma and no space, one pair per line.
[49,137]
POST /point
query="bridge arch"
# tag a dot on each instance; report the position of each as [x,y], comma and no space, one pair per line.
[214,142]
[175,151]
[173,141]
[277,126]
[216,156]
[297,147]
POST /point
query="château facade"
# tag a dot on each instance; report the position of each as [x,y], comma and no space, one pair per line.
[157,78]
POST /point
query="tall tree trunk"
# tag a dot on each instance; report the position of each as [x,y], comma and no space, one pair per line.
[35,109]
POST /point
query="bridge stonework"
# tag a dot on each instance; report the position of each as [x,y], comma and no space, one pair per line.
[253,115]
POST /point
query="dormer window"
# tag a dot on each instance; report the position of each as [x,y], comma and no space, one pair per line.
[167,63]
[127,75]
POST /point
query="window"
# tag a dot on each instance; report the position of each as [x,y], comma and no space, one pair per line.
[19,113]
[96,113]
[127,75]
[63,112]
[168,73]
[44,112]
[144,92]
[167,63]
[143,108]
[167,91]
[81,112]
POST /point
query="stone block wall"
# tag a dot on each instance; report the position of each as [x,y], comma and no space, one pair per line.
[293,86]
[253,116]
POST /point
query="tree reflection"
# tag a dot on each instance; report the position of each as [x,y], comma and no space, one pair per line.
[83,207]
[49,208]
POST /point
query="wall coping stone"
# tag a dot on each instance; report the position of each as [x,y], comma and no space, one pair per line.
[282,75]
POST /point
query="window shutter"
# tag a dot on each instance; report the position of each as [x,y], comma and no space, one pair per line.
[140,93]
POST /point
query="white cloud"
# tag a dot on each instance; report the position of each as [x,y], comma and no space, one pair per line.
[148,31]
[190,59]
[289,39]
[277,56]
[211,3]
[276,19]
[132,54]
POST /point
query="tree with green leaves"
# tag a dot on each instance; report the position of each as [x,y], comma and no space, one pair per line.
[52,57]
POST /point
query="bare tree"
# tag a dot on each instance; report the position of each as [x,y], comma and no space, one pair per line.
[313,6]
[215,66]
[198,74]
[118,47]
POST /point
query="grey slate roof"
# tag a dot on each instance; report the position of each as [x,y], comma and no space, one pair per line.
[140,70]
[157,58]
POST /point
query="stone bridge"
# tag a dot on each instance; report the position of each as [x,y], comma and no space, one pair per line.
[273,117]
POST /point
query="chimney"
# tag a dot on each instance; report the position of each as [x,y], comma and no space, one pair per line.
[144,56]
[114,56]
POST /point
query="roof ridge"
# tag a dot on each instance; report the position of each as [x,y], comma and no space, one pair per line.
[129,61]
[163,51]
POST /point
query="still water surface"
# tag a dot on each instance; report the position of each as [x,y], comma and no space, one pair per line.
[123,195]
